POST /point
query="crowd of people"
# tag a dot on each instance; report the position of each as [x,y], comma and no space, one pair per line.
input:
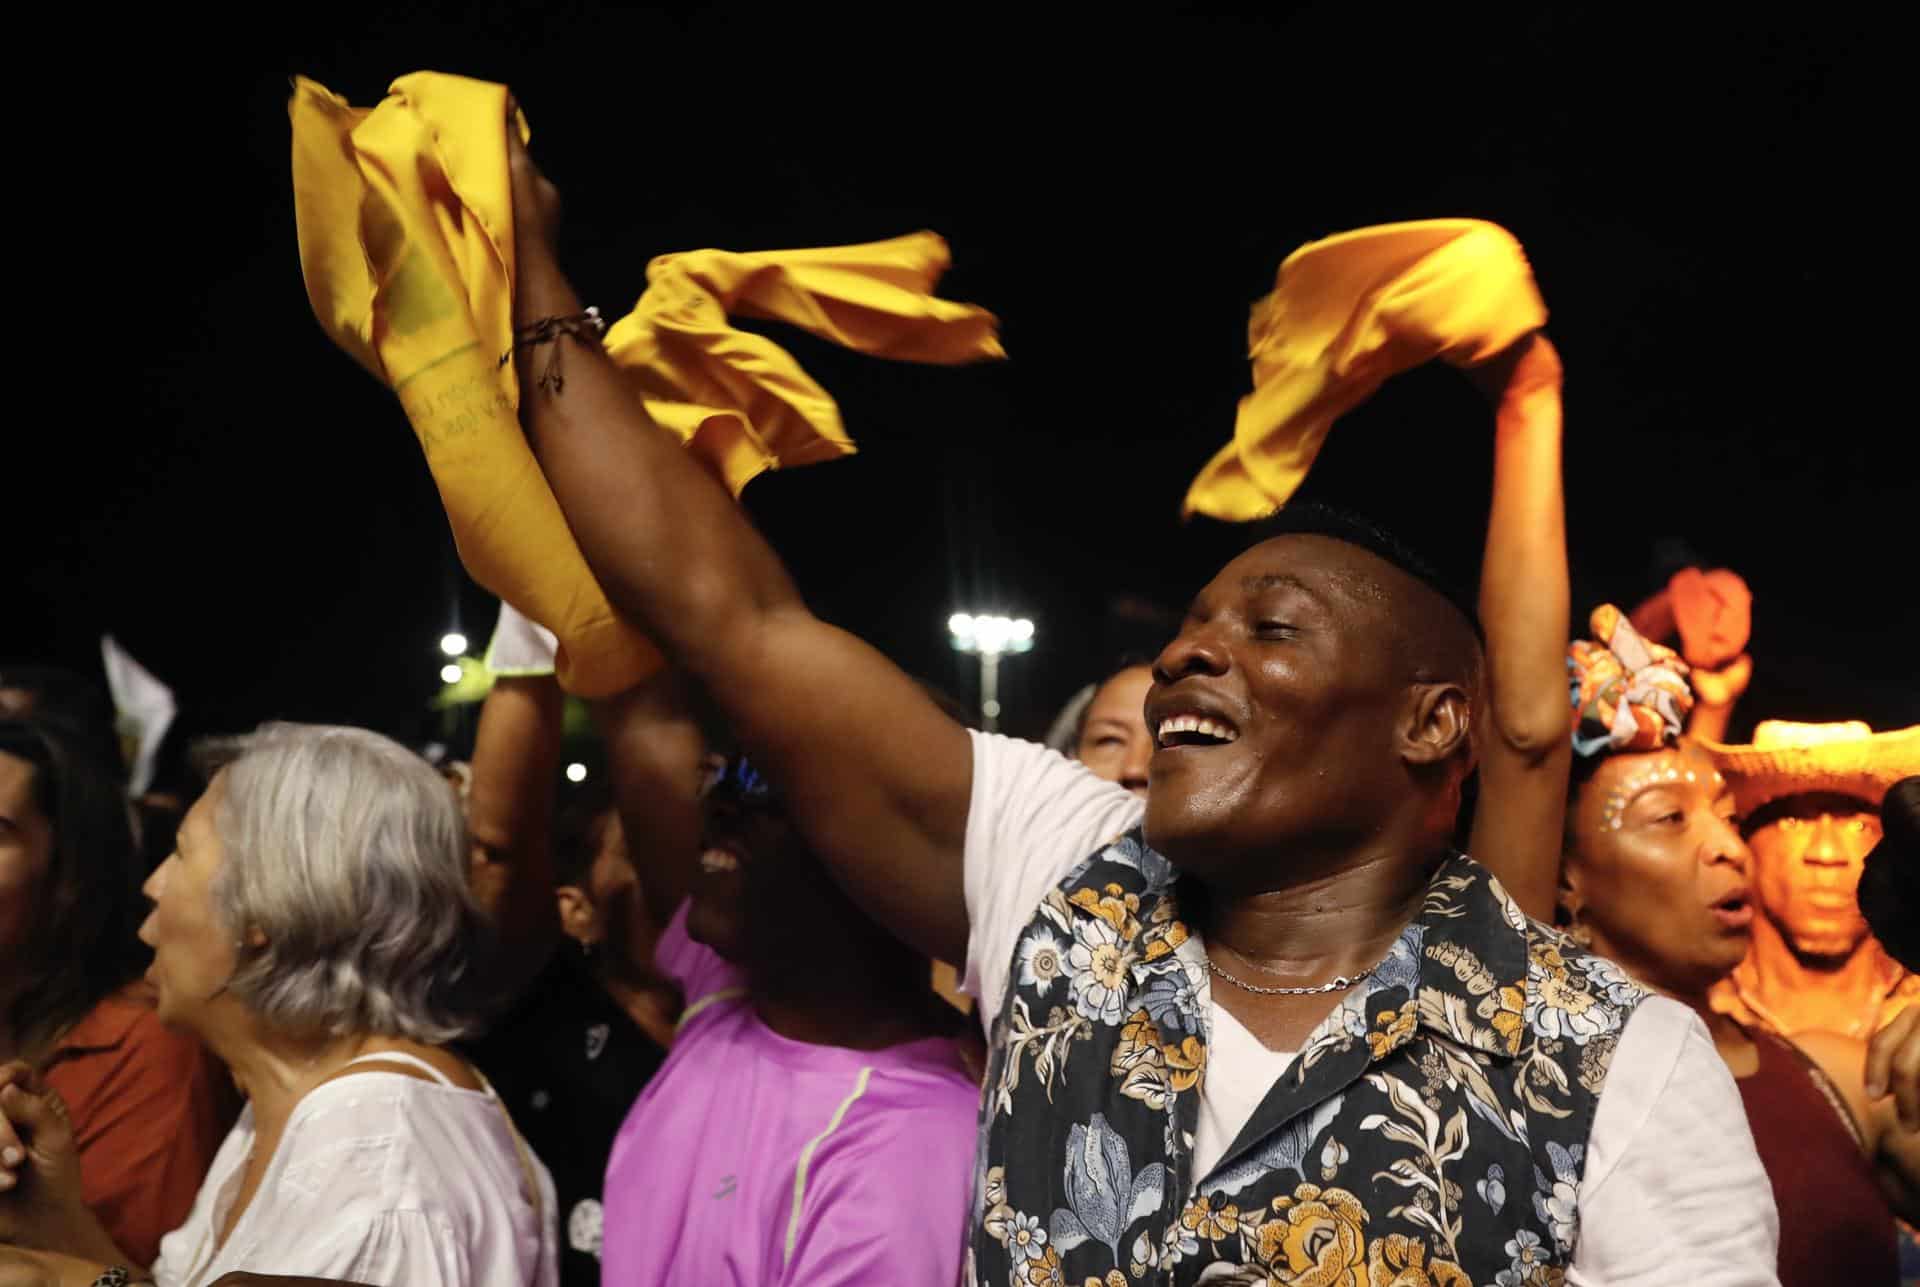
[1369,933]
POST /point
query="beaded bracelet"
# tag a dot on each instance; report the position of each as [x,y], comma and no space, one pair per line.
[581,326]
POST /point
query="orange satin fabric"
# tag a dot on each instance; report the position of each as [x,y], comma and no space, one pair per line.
[1347,313]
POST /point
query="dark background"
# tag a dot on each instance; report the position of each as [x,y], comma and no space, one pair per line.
[192,466]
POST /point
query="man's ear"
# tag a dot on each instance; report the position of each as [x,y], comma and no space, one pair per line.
[1438,724]
[579,918]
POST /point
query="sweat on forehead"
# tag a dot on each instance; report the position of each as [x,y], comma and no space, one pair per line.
[1352,582]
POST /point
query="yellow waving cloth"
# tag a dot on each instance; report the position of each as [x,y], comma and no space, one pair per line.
[405,219]
[1346,314]
[739,400]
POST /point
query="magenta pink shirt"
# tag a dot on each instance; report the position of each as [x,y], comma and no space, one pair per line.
[752,1160]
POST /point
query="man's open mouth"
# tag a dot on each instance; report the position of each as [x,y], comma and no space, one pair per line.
[1194,730]
[715,860]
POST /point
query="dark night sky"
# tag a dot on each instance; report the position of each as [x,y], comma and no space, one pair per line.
[249,512]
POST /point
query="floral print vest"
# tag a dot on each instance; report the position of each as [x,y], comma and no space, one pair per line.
[1430,1133]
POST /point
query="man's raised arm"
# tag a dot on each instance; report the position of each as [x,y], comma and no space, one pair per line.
[876,776]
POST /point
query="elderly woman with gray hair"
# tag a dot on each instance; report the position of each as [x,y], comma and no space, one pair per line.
[315,929]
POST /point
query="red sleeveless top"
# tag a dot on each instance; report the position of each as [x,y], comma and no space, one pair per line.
[1835,1224]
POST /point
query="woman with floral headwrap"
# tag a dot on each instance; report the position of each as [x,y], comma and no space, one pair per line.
[1656,876]
[1652,872]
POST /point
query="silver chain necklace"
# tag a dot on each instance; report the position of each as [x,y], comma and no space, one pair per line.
[1339,983]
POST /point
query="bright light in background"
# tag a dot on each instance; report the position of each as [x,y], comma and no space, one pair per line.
[449,674]
[453,644]
[990,637]
[576,772]
[990,634]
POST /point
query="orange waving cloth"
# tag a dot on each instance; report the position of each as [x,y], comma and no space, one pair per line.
[1346,314]
[405,219]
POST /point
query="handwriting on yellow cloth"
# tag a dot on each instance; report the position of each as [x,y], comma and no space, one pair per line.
[1346,314]
[405,220]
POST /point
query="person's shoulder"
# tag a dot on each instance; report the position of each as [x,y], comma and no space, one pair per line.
[912,1126]
[922,1105]
[398,1106]
[1661,1024]
[1664,1062]
[932,1071]
[1573,992]
[380,1144]
[1551,950]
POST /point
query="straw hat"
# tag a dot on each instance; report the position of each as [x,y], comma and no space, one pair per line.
[1847,759]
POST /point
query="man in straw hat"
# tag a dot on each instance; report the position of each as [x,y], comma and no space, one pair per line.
[1810,795]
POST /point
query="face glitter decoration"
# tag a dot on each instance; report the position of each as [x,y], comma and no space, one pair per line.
[1613,810]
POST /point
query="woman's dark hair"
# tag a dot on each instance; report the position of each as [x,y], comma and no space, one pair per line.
[83,942]
[81,706]
[1581,772]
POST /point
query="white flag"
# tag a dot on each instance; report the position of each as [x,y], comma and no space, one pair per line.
[143,709]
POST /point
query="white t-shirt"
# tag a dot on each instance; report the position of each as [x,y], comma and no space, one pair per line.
[1673,1190]
[379,1178]
[1228,1103]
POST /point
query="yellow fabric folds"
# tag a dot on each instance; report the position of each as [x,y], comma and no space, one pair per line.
[405,220]
[1347,313]
[739,400]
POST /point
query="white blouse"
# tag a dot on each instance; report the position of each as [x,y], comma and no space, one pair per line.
[379,1178]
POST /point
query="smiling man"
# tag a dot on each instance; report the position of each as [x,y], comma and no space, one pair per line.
[1263,1026]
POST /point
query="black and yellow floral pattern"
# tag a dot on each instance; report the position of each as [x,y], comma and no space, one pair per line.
[1431,1132]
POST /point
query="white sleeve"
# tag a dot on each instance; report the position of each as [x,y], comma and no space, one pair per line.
[1034,815]
[520,646]
[1673,1191]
